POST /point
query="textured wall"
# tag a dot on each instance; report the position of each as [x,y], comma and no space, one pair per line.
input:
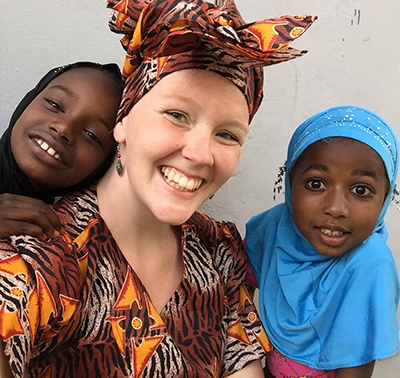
[353,59]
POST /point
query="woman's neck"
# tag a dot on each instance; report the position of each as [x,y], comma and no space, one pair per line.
[130,222]
[152,248]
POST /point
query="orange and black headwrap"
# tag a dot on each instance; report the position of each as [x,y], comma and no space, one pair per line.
[164,36]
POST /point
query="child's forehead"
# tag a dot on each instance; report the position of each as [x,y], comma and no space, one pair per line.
[83,74]
[335,148]
[337,145]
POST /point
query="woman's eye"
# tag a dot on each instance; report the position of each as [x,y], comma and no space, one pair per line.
[54,105]
[92,136]
[362,191]
[176,115]
[228,136]
[315,184]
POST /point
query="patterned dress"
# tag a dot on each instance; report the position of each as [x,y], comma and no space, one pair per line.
[74,307]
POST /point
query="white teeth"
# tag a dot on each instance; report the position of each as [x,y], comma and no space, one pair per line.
[329,232]
[190,185]
[183,182]
[179,181]
[45,146]
[51,151]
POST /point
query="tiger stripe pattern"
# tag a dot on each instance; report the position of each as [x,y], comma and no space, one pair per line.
[83,312]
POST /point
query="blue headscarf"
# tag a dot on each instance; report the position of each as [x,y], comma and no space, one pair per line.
[328,312]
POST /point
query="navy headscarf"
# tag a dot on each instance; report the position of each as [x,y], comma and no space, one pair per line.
[328,312]
[12,179]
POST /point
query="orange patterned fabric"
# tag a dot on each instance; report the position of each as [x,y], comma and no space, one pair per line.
[74,307]
[163,36]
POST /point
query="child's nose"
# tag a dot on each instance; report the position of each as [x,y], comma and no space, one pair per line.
[198,148]
[336,203]
[64,130]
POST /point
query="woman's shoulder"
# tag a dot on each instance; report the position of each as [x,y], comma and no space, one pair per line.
[76,209]
[210,228]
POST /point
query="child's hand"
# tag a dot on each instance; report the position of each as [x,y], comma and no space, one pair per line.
[20,215]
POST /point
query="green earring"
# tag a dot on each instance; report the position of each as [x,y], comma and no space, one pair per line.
[118,165]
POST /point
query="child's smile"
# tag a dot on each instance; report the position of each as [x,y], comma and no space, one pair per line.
[338,188]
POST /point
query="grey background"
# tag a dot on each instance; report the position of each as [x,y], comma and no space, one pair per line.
[354,58]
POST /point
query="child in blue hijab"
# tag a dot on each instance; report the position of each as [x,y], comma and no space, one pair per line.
[329,288]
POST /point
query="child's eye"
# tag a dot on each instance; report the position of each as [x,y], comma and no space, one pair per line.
[55,105]
[176,115]
[315,185]
[92,136]
[362,191]
[228,136]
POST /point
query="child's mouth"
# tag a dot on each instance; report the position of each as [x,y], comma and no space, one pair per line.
[332,237]
[329,232]
[51,151]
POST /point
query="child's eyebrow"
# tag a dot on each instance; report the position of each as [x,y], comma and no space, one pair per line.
[317,167]
[64,89]
[364,172]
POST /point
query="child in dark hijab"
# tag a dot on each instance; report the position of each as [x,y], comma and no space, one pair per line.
[141,284]
[59,138]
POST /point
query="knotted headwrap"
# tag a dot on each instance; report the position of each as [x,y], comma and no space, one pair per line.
[328,312]
[164,36]
[12,179]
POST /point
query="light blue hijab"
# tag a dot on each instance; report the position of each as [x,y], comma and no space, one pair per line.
[328,312]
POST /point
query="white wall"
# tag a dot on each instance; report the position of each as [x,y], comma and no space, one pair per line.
[354,58]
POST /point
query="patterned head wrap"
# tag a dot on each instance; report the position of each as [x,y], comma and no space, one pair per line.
[328,312]
[164,36]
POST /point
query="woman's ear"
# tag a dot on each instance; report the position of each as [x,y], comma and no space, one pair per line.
[119,132]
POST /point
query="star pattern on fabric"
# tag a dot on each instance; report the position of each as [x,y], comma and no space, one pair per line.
[237,331]
[14,266]
[142,353]
[10,323]
[128,294]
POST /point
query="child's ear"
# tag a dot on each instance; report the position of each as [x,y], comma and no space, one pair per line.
[119,131]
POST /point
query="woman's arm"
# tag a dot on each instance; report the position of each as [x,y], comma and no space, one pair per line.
[5,371]
[363,371]
[253,370]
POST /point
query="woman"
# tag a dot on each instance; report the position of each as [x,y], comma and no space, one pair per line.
[142,285]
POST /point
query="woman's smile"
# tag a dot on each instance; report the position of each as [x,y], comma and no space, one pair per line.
[179,181]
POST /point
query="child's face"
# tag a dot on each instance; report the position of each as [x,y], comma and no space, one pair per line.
[65,132]
[338,188]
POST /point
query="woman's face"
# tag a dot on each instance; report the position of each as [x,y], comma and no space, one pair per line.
[65,132]
[181,142]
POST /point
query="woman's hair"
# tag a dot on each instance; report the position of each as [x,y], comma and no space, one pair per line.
[12,178]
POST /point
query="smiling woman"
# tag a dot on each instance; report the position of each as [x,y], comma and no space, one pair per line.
[140,284]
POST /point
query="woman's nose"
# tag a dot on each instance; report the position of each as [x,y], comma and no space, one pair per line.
[198,148]
[336,203]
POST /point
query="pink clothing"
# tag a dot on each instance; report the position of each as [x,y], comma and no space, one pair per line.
[250,277]
[283,367]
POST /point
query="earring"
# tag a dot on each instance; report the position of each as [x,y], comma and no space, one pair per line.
[118,165]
